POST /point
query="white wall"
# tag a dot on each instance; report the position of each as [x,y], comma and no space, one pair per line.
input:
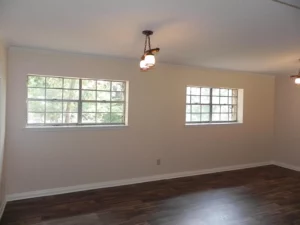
[287,126]
[3,74]
[39,160]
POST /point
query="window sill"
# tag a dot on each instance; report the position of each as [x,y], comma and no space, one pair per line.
[211,124]
[66,128]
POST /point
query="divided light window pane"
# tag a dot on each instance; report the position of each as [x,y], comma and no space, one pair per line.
[211,105]
[60,101]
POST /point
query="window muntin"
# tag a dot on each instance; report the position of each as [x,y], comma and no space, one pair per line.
[211,105]
[61,101]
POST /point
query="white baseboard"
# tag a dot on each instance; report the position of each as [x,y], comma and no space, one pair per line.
[85,187]
[287,166]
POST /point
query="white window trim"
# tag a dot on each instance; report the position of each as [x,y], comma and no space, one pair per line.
[55,127]
[73,128]
[212,123]
[240,110]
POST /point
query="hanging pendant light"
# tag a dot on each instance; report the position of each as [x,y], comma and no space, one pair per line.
[296,77]
[143,64]
[148,58]
[297,80]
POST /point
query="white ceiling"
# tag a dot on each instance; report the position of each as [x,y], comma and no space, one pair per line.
[247,35]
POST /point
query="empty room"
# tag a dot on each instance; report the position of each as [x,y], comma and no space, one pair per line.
[139,112]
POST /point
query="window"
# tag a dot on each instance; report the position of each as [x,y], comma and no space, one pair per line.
[73,101]
[211,105]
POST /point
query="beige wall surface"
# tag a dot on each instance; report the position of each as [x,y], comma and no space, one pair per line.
[3,61]
[45,159]
[287,123]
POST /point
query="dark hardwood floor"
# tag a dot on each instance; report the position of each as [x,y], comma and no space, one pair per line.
[266,196]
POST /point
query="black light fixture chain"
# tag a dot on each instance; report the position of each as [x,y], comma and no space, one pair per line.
[145,47]
[149,42]
[287,4]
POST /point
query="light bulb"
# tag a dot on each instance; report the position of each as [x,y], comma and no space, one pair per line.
[143,65]
[150,60]
[297,80]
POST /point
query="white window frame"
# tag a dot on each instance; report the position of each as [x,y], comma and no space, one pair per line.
[238,106]
[80,101]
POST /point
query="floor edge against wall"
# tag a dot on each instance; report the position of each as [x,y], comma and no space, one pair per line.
[286,165]
[2,207]
[86,187]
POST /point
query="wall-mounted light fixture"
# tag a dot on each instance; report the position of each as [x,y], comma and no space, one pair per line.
[148,58]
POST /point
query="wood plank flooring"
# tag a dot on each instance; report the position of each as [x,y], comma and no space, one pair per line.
[267,195]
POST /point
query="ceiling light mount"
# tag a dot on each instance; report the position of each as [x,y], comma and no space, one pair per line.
[148,32]
[148,58]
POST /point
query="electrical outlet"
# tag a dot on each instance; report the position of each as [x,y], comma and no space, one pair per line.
[158,162]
